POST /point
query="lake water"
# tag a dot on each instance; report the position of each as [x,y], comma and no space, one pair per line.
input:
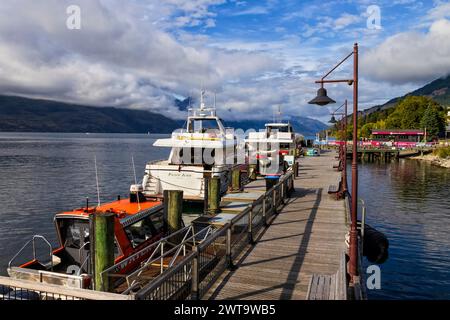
[42,174]
[409,201]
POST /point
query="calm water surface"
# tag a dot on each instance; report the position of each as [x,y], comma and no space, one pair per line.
[409,201]
[42,174]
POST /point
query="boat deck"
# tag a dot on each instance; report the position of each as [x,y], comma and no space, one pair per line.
[306,238]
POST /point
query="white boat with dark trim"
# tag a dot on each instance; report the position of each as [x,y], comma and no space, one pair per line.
[274,149]
[205,147]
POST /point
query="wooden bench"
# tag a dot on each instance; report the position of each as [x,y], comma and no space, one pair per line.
[335,189]
[329,287]
[332,188]
[337,165]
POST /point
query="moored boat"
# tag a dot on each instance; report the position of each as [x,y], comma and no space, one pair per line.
[138,223]
[205,147]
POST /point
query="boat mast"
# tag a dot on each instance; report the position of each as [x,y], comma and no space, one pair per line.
[202,100]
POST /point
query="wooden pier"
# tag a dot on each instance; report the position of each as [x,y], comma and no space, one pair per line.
[284,243]
[372,155]
[306,238]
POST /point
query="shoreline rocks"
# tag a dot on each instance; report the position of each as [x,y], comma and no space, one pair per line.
[435,160]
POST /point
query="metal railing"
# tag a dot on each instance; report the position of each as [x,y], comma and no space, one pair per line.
[33,242]
[19,289]
[162,255]
[196,273]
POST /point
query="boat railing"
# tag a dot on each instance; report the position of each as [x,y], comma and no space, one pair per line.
[194,275]
[32,242]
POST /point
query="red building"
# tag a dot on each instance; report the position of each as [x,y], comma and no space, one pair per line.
[398,137]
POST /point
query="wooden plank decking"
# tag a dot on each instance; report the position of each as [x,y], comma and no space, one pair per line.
[306,238]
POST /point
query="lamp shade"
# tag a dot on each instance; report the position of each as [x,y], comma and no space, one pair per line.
[333,120]
[322,99]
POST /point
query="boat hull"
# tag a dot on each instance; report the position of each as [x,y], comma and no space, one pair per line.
[189,179]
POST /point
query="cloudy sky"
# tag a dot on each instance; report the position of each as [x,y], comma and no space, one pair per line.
[255,54]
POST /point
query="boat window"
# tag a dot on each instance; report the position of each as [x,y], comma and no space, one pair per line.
[140,231]
[203,125]
[74,232]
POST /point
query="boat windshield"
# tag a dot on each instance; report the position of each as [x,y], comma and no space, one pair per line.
[74,232]
[203,125]
[278,129]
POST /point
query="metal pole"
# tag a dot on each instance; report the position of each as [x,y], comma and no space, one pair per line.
[195,276]
[230,265]
[250,227]
[353,250]
[344,172]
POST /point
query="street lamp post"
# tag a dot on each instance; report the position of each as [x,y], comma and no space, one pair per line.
[344,146]
[322,99]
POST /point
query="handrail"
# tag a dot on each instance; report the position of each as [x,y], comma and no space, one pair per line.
[150,246]
[59,290]
[34,249]
[192,259]
[160,280]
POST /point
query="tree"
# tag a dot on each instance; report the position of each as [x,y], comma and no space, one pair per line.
[433,121]
[366,130]
[408,112]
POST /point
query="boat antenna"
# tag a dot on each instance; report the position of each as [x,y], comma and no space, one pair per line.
[96,179]
[215,94]
[279,113]
[202,99]
[134,169]
[135,182]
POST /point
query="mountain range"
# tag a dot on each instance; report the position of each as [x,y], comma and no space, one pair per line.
[438,90]
[18,114]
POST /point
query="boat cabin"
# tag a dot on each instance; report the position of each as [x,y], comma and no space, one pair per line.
[138,223]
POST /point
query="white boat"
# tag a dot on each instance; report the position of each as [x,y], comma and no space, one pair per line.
[205,147]
[274,148]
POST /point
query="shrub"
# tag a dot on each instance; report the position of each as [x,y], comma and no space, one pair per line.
[443,152]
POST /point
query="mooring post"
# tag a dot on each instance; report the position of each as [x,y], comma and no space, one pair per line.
[173,209]
[295,169]
[236,180]
[102,249]
[214,195]
[252,171]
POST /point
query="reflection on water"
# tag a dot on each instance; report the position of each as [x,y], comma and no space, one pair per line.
[410,202]
[42,174]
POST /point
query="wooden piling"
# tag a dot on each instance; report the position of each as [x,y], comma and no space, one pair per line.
[252,171]
[173,209]
[102,249]
[214,195]
[236,180]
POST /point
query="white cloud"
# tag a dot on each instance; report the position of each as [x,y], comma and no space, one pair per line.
[441,11]
[139,56]
[411,56]
[117,58]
